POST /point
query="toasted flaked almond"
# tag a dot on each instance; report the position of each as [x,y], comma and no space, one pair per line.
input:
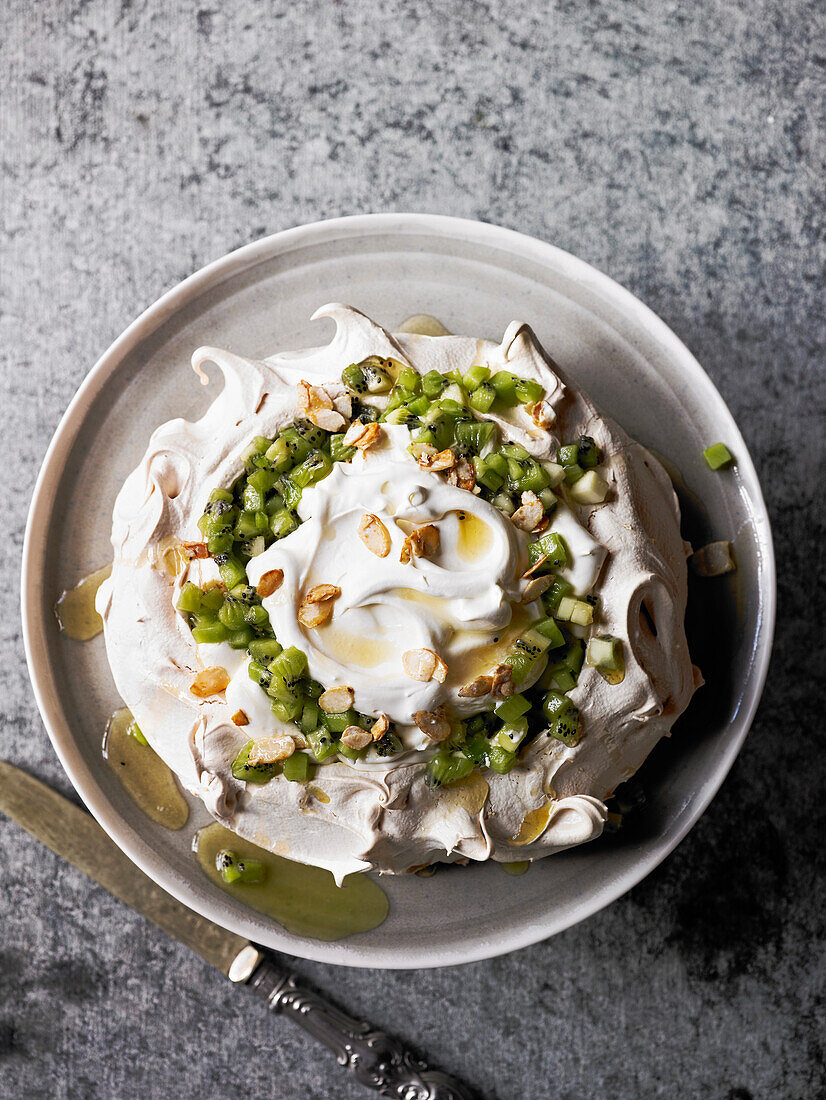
[356,738]
[371,435]
[543,525]
[537,565]
[462,475]
[240,718]
[424,665]
[321,592]
[196,549]
[480,686]
[428,539]
[380,727]
[433,723]
[529,515]
[441,460]
[314,614]
[336,699]
[269,750]
[419,664]
[542,414]
[343,404]
[208,587]
[312,397]
[502,685]
[424,542]
[354,433]
[328,419]
[535,587]
[210,681]
[361,435]
[440,674]
[316,405]
[374,535]
[270,582]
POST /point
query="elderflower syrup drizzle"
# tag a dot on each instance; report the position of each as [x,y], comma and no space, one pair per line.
[75,609]
[423,324]
[304,899]
[144,776]
[516,867]
[533,825]
[475,537]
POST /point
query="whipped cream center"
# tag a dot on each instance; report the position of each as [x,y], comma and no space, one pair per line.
[462,602]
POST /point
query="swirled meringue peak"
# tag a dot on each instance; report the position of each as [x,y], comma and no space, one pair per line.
[401,577]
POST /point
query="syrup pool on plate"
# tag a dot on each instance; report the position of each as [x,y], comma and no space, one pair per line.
[304,899]
[75,609]
[142,773]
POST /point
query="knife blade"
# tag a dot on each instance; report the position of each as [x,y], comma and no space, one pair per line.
[373,1058]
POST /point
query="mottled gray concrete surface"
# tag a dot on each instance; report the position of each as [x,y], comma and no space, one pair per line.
[677,146]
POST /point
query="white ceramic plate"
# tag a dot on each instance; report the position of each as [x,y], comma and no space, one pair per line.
[475,278]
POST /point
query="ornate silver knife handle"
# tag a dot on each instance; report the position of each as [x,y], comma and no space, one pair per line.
[375,1059]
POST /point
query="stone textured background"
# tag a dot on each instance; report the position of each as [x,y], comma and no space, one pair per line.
[678,147]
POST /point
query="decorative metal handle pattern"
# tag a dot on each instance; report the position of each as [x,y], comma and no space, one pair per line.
[375,1059]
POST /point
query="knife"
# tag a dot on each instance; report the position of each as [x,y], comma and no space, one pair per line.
[375,1059]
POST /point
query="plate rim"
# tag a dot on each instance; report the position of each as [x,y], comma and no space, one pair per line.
[349,952]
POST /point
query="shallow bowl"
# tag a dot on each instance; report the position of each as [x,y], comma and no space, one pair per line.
[476,278]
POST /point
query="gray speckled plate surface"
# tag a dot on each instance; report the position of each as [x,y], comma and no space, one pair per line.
[475,278]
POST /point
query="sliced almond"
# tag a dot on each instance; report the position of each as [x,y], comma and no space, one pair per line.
[372,435]
[441,460]
[356,738]
[343,403]
[210,681]
[240,718]
[270,582]
[537,565]
[269,750]
[480,686]
[328,419]
[321,592]
[529,515]
[312,615]
[374,535]
[543,525]
[361,435]
[427,539]
[424,542]
[502,685]
[354,433]
[424,665]
[535,587]
[463,475]
[336,699]
[422,451]
[433,723]
[312,397]
[316,405]
[196,549]
[380,727]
